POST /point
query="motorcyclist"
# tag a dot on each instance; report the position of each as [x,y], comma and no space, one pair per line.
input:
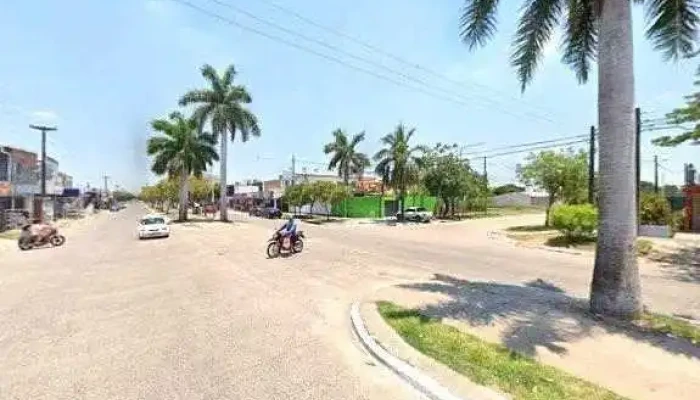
[39,230]
[289,229]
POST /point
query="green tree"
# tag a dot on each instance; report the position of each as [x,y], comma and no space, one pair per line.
[200,188]
[563,175]
[297,195]
[690,113]
[449,178]
[398,161]
[602,30]
[180,151]
[345,157]
[222,104]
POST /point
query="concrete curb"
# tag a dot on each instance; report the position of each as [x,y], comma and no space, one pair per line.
[424,384]
[500,235]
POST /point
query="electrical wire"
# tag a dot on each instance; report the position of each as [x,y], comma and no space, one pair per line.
[565,138]
[390,55]
[337,60]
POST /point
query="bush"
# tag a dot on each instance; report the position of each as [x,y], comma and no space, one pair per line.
[655,210]
[575,221]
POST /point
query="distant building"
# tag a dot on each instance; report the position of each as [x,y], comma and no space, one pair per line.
[527,198]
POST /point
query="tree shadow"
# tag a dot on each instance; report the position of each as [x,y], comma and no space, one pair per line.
[539,314]
[682,264]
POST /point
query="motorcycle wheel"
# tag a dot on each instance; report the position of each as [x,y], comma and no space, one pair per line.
[25,245]
[57,240]
[298,246]
[273,250]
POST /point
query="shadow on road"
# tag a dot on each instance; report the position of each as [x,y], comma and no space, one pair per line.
[538,314]
[682,264]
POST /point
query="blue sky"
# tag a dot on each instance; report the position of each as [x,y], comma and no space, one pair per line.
[102,70]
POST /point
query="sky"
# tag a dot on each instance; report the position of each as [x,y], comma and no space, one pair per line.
[101,71]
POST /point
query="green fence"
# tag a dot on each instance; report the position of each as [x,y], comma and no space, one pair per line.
[375,207]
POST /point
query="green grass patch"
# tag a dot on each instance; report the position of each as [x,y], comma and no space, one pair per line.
[667,324]
[644,247]
[10,235]
[530,228]
[486,363]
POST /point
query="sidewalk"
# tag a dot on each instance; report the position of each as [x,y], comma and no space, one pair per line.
[541,321]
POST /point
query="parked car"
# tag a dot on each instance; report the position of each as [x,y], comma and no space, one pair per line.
[152,226]
[417,214]
[271,213]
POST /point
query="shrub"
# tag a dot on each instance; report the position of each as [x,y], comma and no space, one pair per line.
[654,210]
[575,221]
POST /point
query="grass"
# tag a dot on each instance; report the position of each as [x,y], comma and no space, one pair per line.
[486,363]
[10,235]
[570,241]
[644,247]
[677,327]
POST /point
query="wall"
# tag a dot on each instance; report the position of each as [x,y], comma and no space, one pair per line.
[369,206]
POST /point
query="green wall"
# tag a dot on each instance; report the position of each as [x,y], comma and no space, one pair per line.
[369,206]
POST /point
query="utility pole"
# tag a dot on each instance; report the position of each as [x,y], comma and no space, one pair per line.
[294,169]
[486,179]
[637,134]
[43,130]
[591,167]
[656,174]
[106,186]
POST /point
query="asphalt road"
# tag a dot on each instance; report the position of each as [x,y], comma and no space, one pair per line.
[204,315]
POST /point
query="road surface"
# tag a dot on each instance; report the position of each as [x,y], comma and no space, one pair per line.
[204,315]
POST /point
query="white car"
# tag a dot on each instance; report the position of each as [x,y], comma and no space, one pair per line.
[417,214]
[152,226]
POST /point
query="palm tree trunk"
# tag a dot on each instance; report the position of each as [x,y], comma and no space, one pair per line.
[184,191]
[615,289]
[223,203]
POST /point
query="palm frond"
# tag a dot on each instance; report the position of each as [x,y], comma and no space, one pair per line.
[207,96]
[535,29]
[229,74]
[238,94]
[477,23]
[357,138]
[580,38]
[673,26]
[209,73]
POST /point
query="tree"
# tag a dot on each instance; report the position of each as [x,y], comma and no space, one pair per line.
[563,175]
[398,161]
[690,113]
[297,195]
[340,194]
[123,195]
[449,178]
[200,188]
[222,104]
[345,157]
[180,151]
[602,30]
[507,188]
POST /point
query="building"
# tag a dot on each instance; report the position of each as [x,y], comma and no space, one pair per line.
[528,198]
[18,178]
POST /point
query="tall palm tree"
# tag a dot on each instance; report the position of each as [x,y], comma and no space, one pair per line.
[181,150]
[222,104]
[398,161]
[599,29]
[345,157]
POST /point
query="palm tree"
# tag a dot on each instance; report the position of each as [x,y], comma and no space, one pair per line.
[603,30]
[345,157]
[398,161]
[222,105]
[181,151]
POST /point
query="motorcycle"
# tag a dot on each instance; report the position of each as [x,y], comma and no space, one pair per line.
[25,241]
[279,244]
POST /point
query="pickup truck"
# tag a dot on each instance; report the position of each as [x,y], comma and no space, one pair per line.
[417,214]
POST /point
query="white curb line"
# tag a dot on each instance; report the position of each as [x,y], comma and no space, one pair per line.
[424,384]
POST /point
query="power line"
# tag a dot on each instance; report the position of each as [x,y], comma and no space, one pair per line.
[534,148]
[565,138]
[338,60]
[388,54]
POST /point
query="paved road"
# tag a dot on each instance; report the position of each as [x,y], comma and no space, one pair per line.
[203,315]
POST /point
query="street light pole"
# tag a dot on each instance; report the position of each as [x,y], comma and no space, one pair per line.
[43,130]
